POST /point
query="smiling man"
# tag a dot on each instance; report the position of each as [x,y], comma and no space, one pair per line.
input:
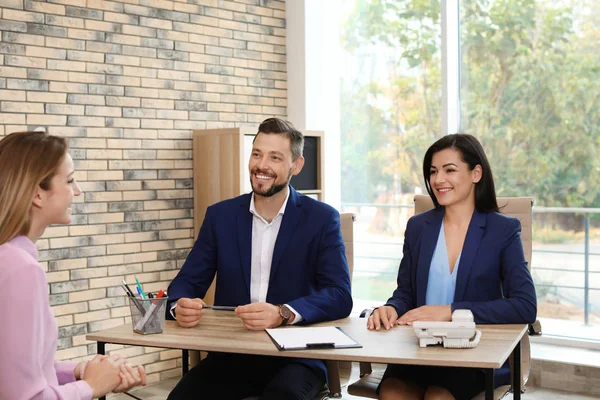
[280,259]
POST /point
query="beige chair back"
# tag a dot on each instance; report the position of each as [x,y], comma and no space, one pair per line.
[347,222]
[518,207]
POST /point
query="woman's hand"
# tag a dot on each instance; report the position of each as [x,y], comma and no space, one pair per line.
[130,377]
[79,368]
[426,313]
[384,315]
[102,374]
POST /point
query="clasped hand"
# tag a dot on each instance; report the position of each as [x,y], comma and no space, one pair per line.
[255,316]
[107,374]
[387,316]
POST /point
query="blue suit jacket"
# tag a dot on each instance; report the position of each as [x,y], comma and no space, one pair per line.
[492,281]
[309,270]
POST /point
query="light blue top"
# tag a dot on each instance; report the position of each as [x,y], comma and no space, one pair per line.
[441,283]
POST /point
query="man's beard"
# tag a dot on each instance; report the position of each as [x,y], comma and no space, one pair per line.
[274,189]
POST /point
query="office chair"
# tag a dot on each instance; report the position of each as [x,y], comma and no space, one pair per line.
[518,207]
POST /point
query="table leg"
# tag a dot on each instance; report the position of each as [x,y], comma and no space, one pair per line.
[184,362]
[333,377]
[489,384]
[516,383]
[102,350]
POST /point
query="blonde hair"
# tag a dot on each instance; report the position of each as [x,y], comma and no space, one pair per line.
[28,160]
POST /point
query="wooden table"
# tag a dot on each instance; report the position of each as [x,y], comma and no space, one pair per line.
[222,331]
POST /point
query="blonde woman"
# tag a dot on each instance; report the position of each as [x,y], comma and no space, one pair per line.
[37,188]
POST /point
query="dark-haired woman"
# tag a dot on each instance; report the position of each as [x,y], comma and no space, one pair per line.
[463,254]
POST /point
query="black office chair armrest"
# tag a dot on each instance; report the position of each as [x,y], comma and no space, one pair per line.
[366,313]
[535,329]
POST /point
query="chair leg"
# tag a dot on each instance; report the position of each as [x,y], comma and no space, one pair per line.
[333,377]
[365,368]
[525,361]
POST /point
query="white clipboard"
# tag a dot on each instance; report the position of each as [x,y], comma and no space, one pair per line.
[306,338]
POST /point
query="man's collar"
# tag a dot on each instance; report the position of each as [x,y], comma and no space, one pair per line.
[281,210]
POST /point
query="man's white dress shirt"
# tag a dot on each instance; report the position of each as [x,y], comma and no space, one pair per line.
[264,236]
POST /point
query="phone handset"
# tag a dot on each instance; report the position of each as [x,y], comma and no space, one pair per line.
[460,333]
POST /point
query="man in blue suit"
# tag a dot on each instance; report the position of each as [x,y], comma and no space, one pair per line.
[280,259]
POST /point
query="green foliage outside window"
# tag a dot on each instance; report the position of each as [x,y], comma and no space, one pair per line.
[530,92]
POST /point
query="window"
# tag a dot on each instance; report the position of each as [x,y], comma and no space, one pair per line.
[390,114]
[528,90]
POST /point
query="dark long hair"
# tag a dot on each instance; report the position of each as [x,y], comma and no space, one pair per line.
[471,153]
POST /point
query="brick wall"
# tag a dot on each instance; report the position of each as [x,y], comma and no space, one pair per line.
[126,81]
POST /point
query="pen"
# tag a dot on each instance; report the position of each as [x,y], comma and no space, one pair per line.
[141,290]
[160,294]
[130,294]
[127,289]
[221,308]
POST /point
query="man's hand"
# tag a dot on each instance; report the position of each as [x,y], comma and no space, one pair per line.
[384,315]
[189,312]
[426,313]
[259,316]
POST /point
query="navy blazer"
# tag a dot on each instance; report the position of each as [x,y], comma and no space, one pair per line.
[492,281]
[309,270]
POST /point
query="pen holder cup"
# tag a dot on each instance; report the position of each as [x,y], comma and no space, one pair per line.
[147,315]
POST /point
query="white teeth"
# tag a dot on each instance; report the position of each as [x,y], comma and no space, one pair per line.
[265,177]
[444,190]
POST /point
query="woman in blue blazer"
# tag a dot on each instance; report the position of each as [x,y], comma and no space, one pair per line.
[463,254]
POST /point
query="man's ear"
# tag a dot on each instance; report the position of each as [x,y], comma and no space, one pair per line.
[477,173]
[38,198]
[297,165]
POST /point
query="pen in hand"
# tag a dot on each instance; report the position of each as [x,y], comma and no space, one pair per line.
[220,308]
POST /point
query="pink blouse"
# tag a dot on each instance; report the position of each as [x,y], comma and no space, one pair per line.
[29,334]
